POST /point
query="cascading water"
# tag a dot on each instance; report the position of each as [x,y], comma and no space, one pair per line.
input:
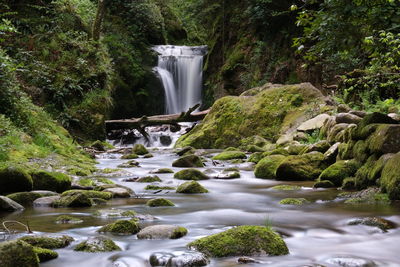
[181,71]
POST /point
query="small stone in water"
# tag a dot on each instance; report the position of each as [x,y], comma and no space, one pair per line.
[350,262]
[246,260]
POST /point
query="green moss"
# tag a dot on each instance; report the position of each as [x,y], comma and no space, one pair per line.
[381,223]
[191,187]
[232,119]
[179,232]
[88,193]
[25,198]
[101,145]
[242,241]
[158,187]
[79,172]
[228,155]
[104,181]
[97,245]
[72,201]
[48,241]
[266,168]
[149,179]
[66,219]
[14,179]
[293,201]
[349,184]
[140,149]
[323,184]
[302,167]
[390,180]
[17,253]
[346,150]
[159,202]
[129,164]
[361,151]
[121,227]
[130,156]
[45,254]
[385,139]
[188,162]
[231,149]
[110,170]
[363,177]
[115,213]
[340,170]
[255,157]
[86,182]
[279,151]
[148,155]
[190,174]
[163,170]
[286,187]
[53,181]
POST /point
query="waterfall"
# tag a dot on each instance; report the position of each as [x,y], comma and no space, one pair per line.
[180,69]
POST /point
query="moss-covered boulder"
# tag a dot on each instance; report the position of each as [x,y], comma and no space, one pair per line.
[266,168]
[130,156]
[115,213]
[340,170]
[302,167]
[140,149]
[158,187]
[149,179]
[185,151]
[9,205]
[49,242]
[73,201]
[160,202]
[17,253]
[53,181]
[254,148]
[97,244]
[374,118]
[45,254]
[386,139]
[162,170]
[242,241]
[293,201]
[190,174]
[390,178]
[345,150]
[233,118]
[191,187]
[27,198]
[121,227]
[228,155]
[256,157]
[162,232]
[14,179]
[321,146]
[88,193]
[188,161]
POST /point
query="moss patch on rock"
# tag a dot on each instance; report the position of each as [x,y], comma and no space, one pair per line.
[191,187]
[162,170]
[17,253]
[340,170]
[285,187]
[266,168]
[66,219]
[159,187]
[25,198]
[88,193]
[48,242]
[121,227]
[140,149]
[149,179]
[242,241]
[160,202]
[228,155]
[97,244]
[390,179]
[53,181]
[188,161]
[130,156]
[73,201]
[293,201]
[190,174]
[45,254]
[14,179]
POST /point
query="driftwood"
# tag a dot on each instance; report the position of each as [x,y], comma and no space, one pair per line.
[140,124]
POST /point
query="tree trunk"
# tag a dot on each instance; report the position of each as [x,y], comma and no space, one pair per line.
[98,21]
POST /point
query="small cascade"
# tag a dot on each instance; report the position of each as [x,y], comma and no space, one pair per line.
[180,69]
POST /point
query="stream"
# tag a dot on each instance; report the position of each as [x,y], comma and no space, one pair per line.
[316,233]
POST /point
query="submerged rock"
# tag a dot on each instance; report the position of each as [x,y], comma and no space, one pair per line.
[347,261]
[188,161]
[192,187]
[7,204]
[17,253]
[115,213]
[381,223]
[162,232]
[242,241]
[190,174]
[286,187]
[187,259]
[130,156]
[14,179]
[97,244]
[121,227]
[160,202]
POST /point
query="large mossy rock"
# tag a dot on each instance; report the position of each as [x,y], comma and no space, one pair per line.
[14,179]
[52,181]
[242,241]
[386,139]
[160,202]
[340,170]
[390,179]
[27,198]
[271,111]
[97,244]
[228,155]
[89,194]
[162,231]
[188,161]
[73,201]
[266,168]
[121,227]
[139,149]
[49,242]
[17,253]
[190,174]
[301,168]
[191,187]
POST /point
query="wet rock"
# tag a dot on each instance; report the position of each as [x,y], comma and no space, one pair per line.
[190,174]
[347,118]
[188,162]
[52,181]
[313,124]
[185,150]
[45,201]
[160,202]
[88,193]
[324,184]
[230,173]
[27,198]
[321,146]
[347,261]
[139,149]
[165,140]
[242,241]
[14,179]
[162,232]
[266,168]
[189,259]
[191,187]
[7,204]
[228,155]
[358,113]
[115,213]
[160,258]
[66,219]
[49,242]
[162,170]
[118,192]
[17,253]
[331,154]
[286,187]
[45,254]
[381,223]
[246,260]
[129,156]
[293,201]
[340,170]
[149,179]
[121,227]
[370,195]
[302,167]
[129,164]
[73,201]
[97,244]
[148,156]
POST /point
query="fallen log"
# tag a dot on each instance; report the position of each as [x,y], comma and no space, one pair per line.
[141,123]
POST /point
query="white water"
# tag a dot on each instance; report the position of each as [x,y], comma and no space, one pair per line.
[180,69]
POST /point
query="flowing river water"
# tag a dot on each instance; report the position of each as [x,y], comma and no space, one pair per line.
[316,233]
